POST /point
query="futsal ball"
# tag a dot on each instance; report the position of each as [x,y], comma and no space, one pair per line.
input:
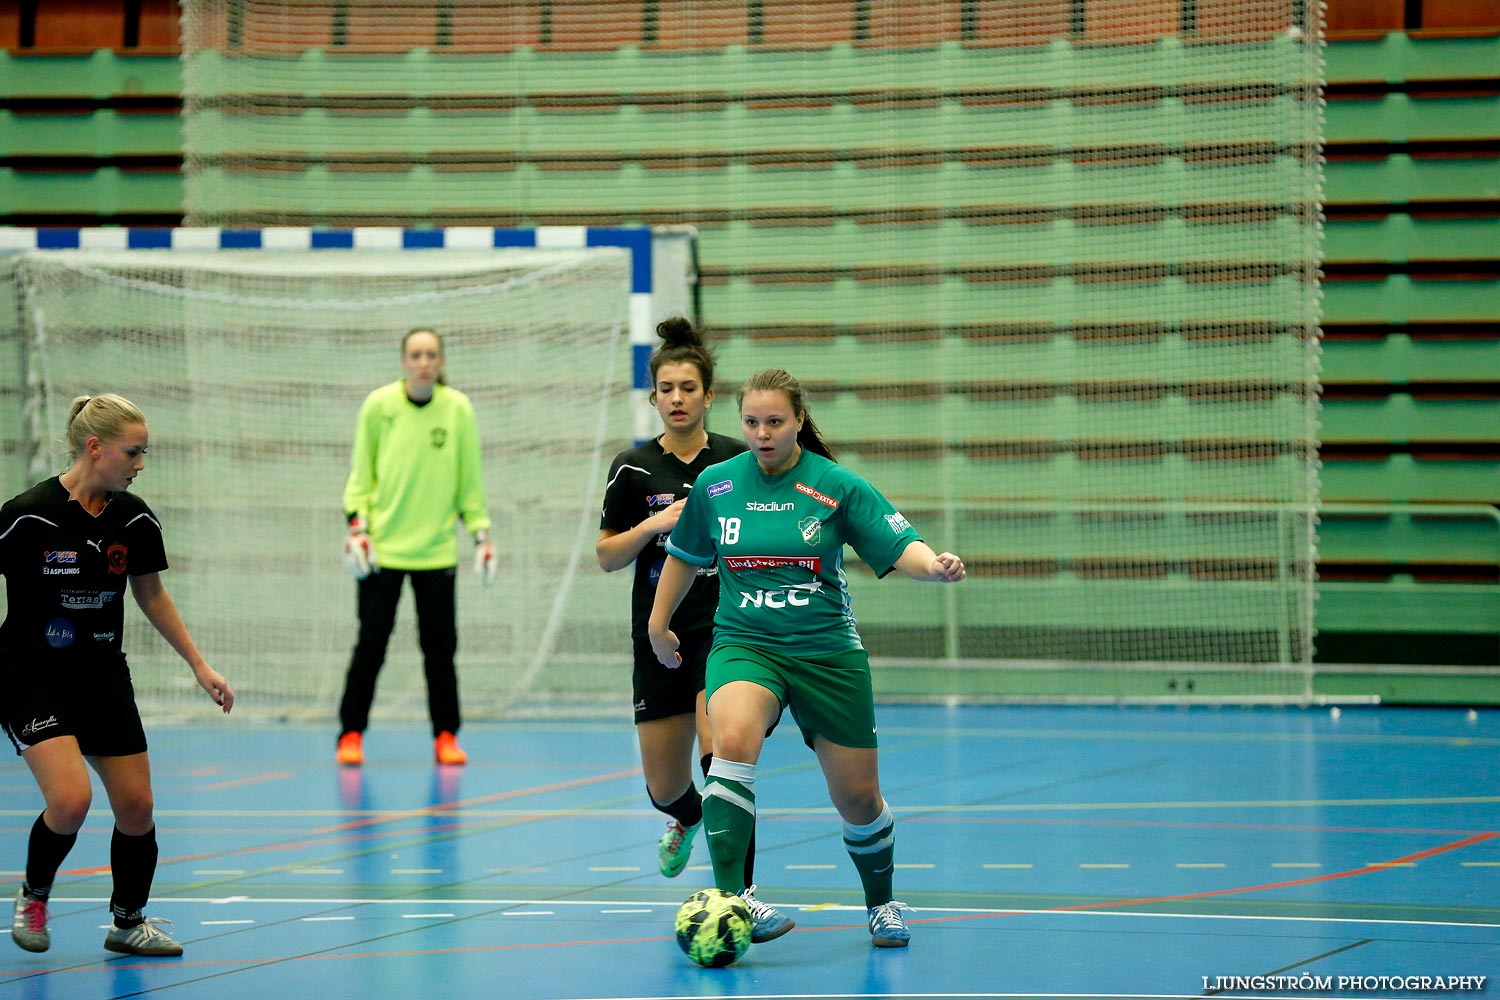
[713,927]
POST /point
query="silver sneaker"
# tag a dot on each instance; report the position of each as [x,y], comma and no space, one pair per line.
[767,922]
[145,938]
[888,926]
[28,928]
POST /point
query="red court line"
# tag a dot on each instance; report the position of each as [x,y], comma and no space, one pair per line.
[291,845]
[1331,876]
[1171,825]
[466,803]
[811,930]
[252,780]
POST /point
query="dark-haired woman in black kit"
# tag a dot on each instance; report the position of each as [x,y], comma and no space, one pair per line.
[644,496]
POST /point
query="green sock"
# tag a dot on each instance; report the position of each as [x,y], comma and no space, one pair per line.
[873,850]
[729,819]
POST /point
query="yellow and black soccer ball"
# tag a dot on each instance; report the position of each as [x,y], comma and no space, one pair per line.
[713,927]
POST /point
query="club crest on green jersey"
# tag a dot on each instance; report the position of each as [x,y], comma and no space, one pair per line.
[811,528]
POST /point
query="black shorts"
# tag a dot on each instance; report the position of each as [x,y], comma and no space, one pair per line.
[93,705]
[662,692]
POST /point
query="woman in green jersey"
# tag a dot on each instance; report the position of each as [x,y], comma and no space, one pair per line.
[647,489]
[775,520]
[415,471]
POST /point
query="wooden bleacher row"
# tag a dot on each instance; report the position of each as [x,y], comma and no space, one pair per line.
[483,26]
[1391,61]
[476,24]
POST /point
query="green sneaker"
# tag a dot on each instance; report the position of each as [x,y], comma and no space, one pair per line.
[675,846]
[28,928]
[145,938]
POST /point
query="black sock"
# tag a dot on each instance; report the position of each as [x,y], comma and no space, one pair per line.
[705,762]
[44,856]
[687,809]
[133,860]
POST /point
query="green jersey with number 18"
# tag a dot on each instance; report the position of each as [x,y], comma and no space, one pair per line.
[779,541]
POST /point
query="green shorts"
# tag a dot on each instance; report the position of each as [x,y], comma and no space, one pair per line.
[830,695]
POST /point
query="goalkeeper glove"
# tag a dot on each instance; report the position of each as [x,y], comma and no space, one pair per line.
[359,551]
[485,564]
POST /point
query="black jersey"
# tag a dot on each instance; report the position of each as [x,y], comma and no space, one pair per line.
[66,570]
[643,481]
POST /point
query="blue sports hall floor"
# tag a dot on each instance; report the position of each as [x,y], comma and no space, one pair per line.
[1047,852]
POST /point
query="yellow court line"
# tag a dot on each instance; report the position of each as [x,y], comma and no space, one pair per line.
[1104,866]
[1008,866]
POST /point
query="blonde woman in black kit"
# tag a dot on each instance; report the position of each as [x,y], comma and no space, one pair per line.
[647,487]
[67,547]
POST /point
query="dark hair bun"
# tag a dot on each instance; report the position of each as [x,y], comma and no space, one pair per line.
[678,332]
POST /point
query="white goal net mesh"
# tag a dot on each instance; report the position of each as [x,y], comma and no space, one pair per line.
[1049,269]
[251,366]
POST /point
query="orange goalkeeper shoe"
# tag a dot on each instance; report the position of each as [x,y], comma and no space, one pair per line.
[447,750]
[351,750]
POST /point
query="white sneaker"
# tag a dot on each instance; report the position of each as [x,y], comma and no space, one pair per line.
[145,938]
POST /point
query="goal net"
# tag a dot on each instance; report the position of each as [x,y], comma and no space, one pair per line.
[251,365]
[1049,269]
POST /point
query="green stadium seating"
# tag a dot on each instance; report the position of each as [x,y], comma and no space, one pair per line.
[793,241]
[107,191]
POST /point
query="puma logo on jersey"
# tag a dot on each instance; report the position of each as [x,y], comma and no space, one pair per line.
[89,541]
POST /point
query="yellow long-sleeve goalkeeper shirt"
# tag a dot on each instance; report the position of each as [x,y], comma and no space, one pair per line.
[415,470]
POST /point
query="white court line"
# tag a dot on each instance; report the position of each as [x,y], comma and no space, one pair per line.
[527,913]
[1205,864]
[1008,866]
[810,907]
[911,866]
[810,868]
[416,871]
[219,871]
[626,911]
[614,868]
[315,920]
[317,871]
[216,923]
[426,916]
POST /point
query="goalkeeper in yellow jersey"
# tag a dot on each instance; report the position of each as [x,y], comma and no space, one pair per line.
[416,469]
